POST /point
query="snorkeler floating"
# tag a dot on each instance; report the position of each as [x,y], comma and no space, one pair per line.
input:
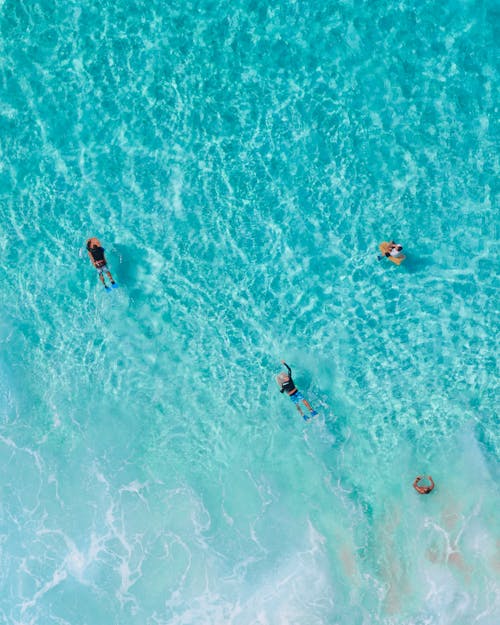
[392,251]
[285,381]
[96,255]
[423,490]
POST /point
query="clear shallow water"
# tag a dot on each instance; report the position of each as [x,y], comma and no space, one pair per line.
[241,165]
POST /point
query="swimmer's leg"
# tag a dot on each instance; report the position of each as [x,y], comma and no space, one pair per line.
[101,278]
[307,404]
[309,407]
[300,410]
[113,283]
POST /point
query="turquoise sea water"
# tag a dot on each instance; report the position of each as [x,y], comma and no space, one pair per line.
[241,163]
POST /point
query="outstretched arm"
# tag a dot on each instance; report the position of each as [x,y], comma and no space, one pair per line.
[289,370]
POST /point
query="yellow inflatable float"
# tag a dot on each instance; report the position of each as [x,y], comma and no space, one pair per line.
[393,251]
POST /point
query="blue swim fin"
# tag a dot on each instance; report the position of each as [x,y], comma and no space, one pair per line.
[114,285]
[108,288]
[314,413]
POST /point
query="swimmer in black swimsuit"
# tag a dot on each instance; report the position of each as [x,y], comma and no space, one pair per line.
[288,386]
[96,255]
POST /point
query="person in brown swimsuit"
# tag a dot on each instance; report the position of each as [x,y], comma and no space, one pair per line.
[423,490]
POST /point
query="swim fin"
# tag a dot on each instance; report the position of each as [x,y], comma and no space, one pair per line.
[114,285]
[108,288]
[314,413]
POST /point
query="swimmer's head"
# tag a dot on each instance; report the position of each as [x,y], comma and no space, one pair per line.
[283,377]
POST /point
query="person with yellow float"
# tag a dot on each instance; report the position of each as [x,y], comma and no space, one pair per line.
[393,251]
